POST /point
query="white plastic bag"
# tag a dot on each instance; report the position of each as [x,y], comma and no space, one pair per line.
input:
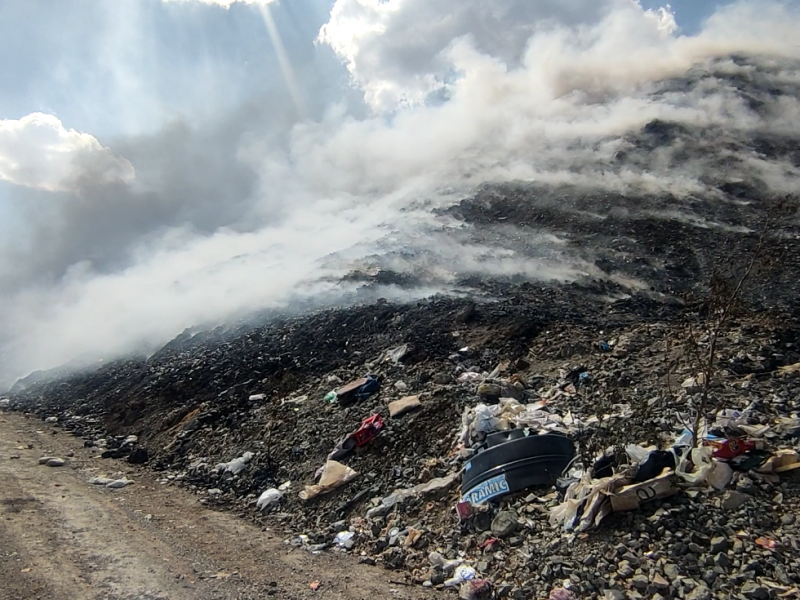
[637,454]
[462,574]
[703,465]
[437,560]
[269,498]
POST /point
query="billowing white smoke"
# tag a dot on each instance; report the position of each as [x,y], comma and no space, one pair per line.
[459,92]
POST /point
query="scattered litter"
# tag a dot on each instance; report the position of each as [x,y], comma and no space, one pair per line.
[334,475]
[767,543]
[463,573]
[100,480]
[52,461]
[314,585]
[295,400]
[342,538]
[423,489]
[269,499]
[357,390]
[630,497]
[234,467]
[447,566]
[395,355]
[470,377]
[404,405]
[257,397]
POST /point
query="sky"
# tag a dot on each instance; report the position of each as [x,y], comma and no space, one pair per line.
[165,163]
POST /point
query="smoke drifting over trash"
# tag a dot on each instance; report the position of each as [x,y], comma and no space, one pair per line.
[127,240]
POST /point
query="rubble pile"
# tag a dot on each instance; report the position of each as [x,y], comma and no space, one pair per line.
[302,451]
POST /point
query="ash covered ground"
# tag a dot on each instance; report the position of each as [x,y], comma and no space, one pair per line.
[541,274]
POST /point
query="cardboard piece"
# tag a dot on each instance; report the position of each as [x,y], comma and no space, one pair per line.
[631,497]
[404,405]
[334,475]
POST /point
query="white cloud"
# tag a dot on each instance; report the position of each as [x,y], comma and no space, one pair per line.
[225,3]
[37,151]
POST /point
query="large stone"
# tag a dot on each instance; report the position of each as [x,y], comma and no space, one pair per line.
[719,544]
[733,500]
[504,524]
[660,582]
[754,591]
[701,592]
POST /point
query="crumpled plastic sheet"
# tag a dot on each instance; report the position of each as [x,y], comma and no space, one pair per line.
[334,475]
[586,503]
[235,466]
[269,498]
[479,421]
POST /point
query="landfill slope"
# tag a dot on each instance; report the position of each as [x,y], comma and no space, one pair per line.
[638,321]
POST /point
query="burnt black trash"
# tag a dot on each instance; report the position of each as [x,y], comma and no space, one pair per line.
[512,461]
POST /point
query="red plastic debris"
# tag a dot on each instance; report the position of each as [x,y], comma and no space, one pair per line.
[314,585]
[370,429]
[464,510]
[766,543]
[489,542]
[731,448]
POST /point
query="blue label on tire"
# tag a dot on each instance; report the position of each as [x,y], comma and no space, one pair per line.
[491,488]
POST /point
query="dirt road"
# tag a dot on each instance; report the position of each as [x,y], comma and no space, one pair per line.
[62,538]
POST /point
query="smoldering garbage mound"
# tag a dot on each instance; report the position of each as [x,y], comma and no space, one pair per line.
[190,405]
[251,396]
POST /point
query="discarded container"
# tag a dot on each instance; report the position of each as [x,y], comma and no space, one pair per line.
[512,462]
